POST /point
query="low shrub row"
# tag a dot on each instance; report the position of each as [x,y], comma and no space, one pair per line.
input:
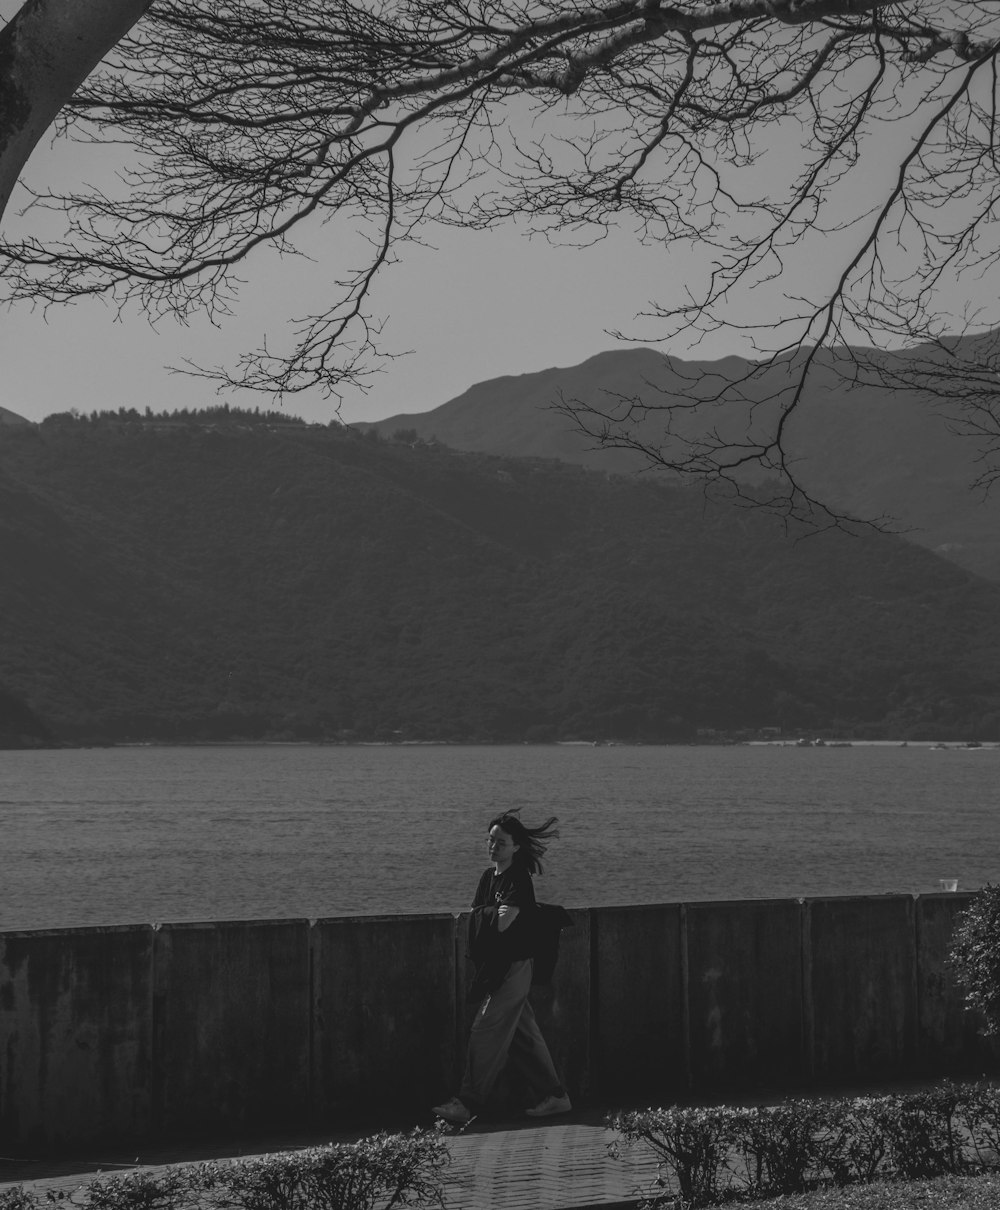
[377,1173]
[707,1156]
[724,1153]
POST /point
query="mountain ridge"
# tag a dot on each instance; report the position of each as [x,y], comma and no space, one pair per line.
[7,417]
[868,451]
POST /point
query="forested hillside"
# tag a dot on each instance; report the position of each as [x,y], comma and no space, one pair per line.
[231,577]
[871,452]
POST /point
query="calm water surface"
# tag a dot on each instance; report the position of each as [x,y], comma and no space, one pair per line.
[129,835]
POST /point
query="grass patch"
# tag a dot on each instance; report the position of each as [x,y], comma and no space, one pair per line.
[943,1193]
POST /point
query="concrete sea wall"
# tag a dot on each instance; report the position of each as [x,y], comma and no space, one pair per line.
[185,1030]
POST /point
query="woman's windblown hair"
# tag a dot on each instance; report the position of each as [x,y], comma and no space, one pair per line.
[532,842]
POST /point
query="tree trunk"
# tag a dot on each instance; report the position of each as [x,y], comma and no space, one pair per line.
[47,50]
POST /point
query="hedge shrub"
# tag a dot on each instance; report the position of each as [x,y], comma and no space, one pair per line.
[377,1173]
[724,1153]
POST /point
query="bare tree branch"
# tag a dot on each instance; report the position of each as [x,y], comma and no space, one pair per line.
[742,129]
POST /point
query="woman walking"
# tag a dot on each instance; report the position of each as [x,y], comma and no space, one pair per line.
[502,941]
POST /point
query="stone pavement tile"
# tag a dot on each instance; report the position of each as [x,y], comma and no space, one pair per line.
[550,1167]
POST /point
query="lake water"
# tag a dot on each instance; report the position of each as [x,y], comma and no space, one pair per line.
[131,835]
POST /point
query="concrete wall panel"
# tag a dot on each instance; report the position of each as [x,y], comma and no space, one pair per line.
[206,1030]
[745,993]
[75,1037]
[563,1008]
[862,986]
[639,1032]
[232,1013]
[385,1019]
[464,1011]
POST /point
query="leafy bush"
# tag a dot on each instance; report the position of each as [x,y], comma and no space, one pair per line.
[784,1146]
[975,955]
[270,1182]
[384,1171]
[720,1153]
[981,1118]
[862,1141]
[923,1133]
[180,1188]
[712,1155]
[906,1137]
[387,1170]
[693,1145]
[17,1198]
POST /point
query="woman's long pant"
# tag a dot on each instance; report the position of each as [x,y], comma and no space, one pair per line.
[505,1026]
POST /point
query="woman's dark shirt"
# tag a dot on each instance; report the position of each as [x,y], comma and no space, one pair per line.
[513,887]
[491,951]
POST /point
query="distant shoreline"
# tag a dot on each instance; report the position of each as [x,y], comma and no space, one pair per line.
[932,745]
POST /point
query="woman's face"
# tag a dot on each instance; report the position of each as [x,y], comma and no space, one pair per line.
[501,848]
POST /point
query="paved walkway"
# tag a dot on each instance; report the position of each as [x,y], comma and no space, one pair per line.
[560,1164]
[556,1166]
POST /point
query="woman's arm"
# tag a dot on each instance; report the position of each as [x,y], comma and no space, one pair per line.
[518,896]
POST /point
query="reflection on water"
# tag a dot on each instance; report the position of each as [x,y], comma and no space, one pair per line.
[129,835]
